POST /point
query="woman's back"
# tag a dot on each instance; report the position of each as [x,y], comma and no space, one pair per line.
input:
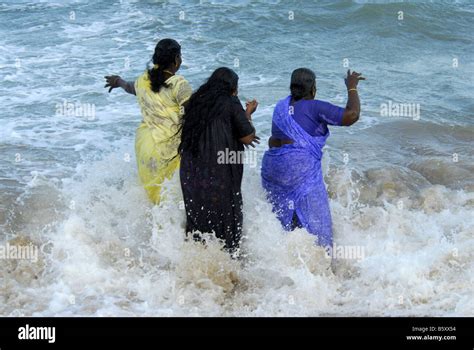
[223,131]
[313,116]
[215,125]
[162,109]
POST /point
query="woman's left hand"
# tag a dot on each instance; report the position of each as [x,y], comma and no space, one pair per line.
[251,106]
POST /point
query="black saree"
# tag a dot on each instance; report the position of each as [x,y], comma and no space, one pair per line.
[211,180]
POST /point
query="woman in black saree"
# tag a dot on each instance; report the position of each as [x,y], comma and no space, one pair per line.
[215,122]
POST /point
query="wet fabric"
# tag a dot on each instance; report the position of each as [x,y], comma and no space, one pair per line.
[313,116]
[211,180]
[157,138]
[293,179]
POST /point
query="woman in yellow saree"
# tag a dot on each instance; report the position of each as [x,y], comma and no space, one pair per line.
[161,94]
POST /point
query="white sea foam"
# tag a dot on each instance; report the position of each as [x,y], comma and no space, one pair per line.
[104,250]
[111,253]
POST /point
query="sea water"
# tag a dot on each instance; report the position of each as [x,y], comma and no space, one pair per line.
[400,181]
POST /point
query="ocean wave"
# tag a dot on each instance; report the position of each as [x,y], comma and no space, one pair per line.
[106,251]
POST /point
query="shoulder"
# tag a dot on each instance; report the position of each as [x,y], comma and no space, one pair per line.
[142,79]
[318,106]
[284,101]
[142,83]
[229,101]
[234,100]
[234,103]
[321,104]
[281,103]
[177,80]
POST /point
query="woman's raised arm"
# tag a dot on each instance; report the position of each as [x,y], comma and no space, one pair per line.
[115,81]
[352,112]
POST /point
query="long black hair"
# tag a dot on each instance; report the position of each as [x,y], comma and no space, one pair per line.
[165,55]
[302,82]
[204,106]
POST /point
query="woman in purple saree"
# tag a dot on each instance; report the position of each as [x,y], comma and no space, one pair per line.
[291,168]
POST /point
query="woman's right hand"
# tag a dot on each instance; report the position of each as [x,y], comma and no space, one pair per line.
[112,81]
[352,79]
[250,140]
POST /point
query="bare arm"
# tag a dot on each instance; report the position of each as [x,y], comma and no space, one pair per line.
[250,139]
[115,81]
[352,112]
[128,86]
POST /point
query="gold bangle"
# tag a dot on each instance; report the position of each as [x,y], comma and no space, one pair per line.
[353,89]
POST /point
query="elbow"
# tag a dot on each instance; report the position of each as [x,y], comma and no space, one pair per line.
[350,118]
[354,119]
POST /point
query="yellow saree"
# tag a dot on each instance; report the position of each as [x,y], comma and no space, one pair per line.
[157,138]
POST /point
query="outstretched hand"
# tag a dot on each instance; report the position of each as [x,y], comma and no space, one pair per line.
[352,79]
[112,81]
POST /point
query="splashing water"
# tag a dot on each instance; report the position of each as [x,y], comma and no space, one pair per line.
[401,191]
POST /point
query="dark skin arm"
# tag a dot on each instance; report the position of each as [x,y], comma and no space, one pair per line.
[352,112]
[251,107]
[115,81]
